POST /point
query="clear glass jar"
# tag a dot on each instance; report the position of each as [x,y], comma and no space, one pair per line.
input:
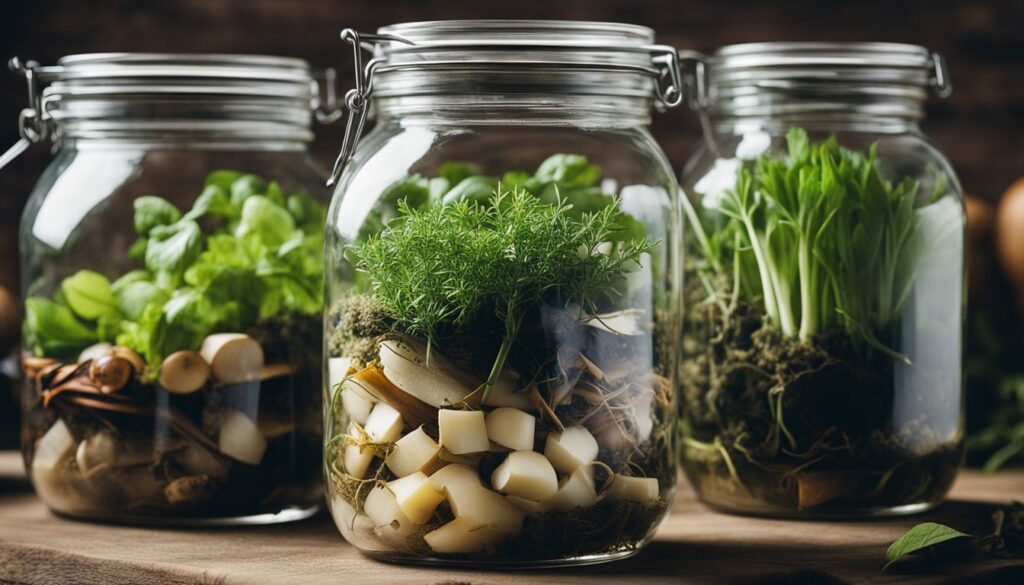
[838,391]
[502,297]
[172,276]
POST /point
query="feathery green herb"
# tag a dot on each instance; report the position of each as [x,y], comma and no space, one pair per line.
[444,266]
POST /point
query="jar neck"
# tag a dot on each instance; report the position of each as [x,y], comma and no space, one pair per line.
[194,141]
[528,109]
[812,122]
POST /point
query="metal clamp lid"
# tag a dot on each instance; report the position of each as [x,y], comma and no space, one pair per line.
[133,95]
[32,127]
[855,64]
[395,53]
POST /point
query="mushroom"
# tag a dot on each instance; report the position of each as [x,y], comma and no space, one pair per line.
[110,373]
[233,357]
[184,372]
[94,452]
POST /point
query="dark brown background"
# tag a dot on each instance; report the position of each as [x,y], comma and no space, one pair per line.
[981,127]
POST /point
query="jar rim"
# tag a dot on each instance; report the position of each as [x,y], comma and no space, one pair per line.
[159,93]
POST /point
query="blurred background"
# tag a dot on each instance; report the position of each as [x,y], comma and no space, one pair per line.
[981,127]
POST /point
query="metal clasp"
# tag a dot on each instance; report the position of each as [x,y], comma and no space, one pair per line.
[696,79]
[674,93]
[326,108]
[32,127]
[943,86]
[357,100]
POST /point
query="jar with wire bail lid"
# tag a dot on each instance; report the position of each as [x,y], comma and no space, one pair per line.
[172,276]
[502,290]
[822,346]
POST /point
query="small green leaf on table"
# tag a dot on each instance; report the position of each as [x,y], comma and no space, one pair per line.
[919,538]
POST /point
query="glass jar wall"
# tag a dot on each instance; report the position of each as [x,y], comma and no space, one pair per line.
[824,285]
[172,273]
[501,299]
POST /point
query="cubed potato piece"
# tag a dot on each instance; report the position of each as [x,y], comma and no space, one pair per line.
[528,507]
[462,431]
[462,535]
[635,489]
[504,393]
[357,458]
[414,452]
[469,499]
[570,449]
[455,473]
[357,402]
[53,447]
[388,518]
[526,474]
[511,428]
[240,438]
[416,496]
[575,489]
[384,423]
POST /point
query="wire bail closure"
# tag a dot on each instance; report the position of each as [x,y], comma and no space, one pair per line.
[32,127]
[669,83]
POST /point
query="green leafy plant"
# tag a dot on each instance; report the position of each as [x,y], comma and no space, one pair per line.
[260,255]
[829,239]
[445,265]
[1004,435]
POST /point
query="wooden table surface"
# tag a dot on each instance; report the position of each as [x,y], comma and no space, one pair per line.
[695,545]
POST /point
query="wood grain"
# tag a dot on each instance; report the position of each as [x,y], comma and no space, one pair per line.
[694,545]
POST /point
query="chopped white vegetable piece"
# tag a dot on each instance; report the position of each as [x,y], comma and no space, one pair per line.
[388,518]
[384,424]
[416,496]
[503,393]
[337,369]
[462,431]
[357,457]
[454,476]
[414,452]
[405,365]
[485,507]
[572,448]
[357,402]
[526,474]
[575,489]
[462,535]
[240,438]
[95,451]
[470,499]
[636,489]
[233,357]
[528,507]
[511,428]
[95,351]
[53,447]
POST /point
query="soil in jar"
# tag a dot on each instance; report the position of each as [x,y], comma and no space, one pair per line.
[536,426]
[778,425]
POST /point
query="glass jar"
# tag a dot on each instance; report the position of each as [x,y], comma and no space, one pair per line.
[824,284]
[502,296]
[172,277]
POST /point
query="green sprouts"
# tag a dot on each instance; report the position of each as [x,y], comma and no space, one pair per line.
[820,237]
